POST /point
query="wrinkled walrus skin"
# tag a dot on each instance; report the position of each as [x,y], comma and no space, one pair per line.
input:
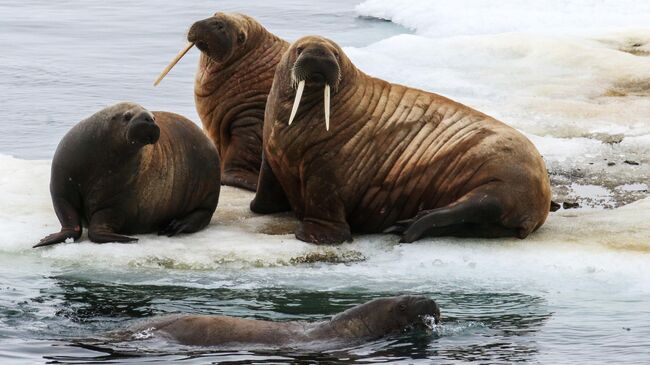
[126,170]
[395,159]
[374,319]
[233,80]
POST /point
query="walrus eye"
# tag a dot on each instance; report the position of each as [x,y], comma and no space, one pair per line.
[299,50]
[241,37]
[402,307]
[128,115]
[336,54]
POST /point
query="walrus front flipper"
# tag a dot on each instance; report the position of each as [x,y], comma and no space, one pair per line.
[270,197]
[240,179]
[70,223]
[242,160]
[476,214]
[191,223]
[324,220]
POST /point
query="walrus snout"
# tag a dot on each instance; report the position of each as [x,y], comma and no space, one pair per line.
[317,65]
[214,36]
[419,307]
[143,129]
[428,307]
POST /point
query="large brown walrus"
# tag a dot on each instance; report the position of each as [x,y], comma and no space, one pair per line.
[392,158]
[233,80]
[374,319]
[126,170]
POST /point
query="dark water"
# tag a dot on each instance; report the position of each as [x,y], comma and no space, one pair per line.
[82,310]
[61,311]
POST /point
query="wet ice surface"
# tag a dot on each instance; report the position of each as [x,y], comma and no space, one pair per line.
[573,76]
[578,83]
[581,277]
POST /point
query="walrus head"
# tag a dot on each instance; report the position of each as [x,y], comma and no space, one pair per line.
[221,38]
[139,125]
[383,316]
[317,64]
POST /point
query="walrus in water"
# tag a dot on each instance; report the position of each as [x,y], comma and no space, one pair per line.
[127,170]
[373,319]
[392,158]
[233,80]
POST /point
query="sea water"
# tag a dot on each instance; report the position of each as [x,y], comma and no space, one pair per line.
[574,76]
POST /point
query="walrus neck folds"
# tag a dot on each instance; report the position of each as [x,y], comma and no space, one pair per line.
[213,76]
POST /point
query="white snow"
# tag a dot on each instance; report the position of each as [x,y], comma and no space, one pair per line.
[441,18]
[237,239]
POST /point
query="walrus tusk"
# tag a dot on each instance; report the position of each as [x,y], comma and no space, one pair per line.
[173,63]
[327,106]
[296,102]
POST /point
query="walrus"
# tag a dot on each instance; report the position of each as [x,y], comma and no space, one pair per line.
[233,80]
[391,159]
[126,170]
[374,319]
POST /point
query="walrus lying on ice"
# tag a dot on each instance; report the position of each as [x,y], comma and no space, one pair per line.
[233,80]
[391,158]
[373,319]
[127,170]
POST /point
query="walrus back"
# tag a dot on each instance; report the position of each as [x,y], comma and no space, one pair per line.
[424,151]
[204,330]
[177,175]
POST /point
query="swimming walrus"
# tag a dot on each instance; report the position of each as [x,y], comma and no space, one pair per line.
[126,170]
[392,158]
[373,319]
[233,80]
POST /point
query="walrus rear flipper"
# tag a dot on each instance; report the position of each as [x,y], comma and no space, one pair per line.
[193,222]
[101,228]
[99,236]
[474,215]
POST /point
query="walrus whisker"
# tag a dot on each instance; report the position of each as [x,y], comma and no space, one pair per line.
[296,102]
[327,106]
[173,63]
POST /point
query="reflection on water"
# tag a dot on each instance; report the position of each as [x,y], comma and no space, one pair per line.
[493,327]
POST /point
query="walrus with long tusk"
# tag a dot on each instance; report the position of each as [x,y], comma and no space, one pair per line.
[126,170]
[233,80]
[392,158]
[374,319]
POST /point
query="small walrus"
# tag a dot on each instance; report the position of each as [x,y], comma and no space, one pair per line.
[233,80]
[392,158]
[126,170]
[374,319]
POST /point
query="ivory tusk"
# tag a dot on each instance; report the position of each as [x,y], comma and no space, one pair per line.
[327,106]
[296,102]
[173,63]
